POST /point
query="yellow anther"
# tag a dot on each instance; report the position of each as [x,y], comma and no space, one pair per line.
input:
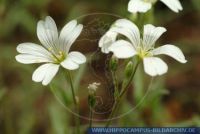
[50,48]
[142,53]
[59,57]
[60,52]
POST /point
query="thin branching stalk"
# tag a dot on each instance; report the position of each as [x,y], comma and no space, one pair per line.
[77,121]
[119,98]
[91,117]
[115,83]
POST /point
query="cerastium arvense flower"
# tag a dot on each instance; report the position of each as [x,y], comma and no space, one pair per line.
[143,47]
[54,51]
[134,45]
[143,6]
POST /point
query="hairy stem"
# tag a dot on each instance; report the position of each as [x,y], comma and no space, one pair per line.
[91,117]
[77,121]
[119,98]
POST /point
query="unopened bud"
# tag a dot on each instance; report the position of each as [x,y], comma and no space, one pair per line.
[129,69]
[113,63]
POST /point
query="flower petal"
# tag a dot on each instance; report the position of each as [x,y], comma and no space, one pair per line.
[48,34]
[106,40]
[66,32]
[135,6]
[45,73]
[74,36]
[122,49]
[129,28]
[50,24]
[154,66]
[151,35]
[174,5]
[69,64]
[126,32]
[69,34]
[77,57]
[171,51]
[30,59]
[33,49]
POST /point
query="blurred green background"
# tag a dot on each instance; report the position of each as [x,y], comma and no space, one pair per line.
[29,108]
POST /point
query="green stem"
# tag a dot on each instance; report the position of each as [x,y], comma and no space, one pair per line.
[118,100]
[77,121]
[91,117]
[115,82]
[114,108]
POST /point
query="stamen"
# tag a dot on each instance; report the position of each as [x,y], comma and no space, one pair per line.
[59,57]
[50,48]
[143,53]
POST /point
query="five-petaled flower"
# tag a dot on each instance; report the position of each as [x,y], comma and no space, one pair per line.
[54,50]
[144,48]
[143,6]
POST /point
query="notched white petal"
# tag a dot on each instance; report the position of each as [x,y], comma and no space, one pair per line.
[65,33]
[67,29]
[154,66]
[30,59]
[129,27]
[47,33]
[33,49]
[106,40]
[174,5]
[77,57]
[45,73]
[73,36]
[73,60]
[135,6]
[125,32]
[171,51]
[151,35]
[69,64]
[50,24]
[122,49]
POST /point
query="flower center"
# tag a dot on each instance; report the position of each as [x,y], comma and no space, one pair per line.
[59,57]
[143,53]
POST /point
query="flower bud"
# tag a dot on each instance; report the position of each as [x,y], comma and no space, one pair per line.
[113,63]
[92,91]
[129,69]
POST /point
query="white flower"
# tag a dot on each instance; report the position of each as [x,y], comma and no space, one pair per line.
[143,6]
[93,87]
[54,50]
[107,40]
[144,48]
